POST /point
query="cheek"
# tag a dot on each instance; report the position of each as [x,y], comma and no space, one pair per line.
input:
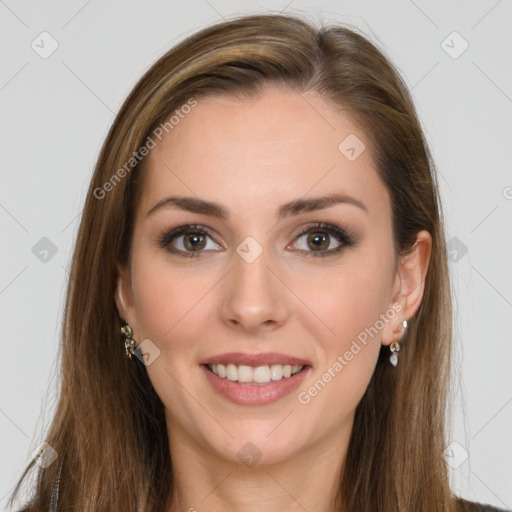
[347,358]
[348,303]
[343,302]
[167,297]
[171,312]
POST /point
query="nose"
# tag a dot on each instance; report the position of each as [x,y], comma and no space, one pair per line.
[255,296]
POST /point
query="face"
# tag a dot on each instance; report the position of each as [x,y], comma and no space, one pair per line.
[297,288]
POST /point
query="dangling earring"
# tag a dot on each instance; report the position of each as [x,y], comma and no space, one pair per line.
[129,343]
[395,346]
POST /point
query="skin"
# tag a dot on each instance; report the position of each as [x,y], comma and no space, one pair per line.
[252,156]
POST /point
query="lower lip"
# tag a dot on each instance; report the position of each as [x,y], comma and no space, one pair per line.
[255,394]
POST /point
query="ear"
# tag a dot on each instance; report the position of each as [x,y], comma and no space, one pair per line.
[408,286]
[124,297]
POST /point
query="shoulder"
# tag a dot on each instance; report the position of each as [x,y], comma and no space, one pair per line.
[472,506]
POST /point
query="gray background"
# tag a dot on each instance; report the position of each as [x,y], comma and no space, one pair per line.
[55,113]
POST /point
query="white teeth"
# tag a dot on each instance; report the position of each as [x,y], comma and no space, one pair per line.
[254,374]
[244,373]
[261,374]
[231,372]
[277,371]
[221,370]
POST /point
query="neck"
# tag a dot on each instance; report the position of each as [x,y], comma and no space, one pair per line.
[307,480]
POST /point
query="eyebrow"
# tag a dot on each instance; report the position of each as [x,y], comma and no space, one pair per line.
[210,208]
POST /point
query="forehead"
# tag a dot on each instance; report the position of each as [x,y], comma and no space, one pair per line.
[277,146]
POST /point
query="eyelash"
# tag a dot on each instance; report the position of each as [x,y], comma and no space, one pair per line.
[344,236]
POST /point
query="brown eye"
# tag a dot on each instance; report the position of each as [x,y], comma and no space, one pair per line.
[318,241]
[323,239]
[189,240]
[194,241]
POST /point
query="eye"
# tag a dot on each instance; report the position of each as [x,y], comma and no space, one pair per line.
[187,241]
[323,239]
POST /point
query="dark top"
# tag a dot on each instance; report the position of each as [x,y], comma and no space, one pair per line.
[471,506]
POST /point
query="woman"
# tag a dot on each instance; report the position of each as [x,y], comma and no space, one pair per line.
[263,230]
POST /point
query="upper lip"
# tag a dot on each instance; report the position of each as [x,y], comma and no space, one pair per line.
[260,359]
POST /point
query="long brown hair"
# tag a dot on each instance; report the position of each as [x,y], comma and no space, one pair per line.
[109,429]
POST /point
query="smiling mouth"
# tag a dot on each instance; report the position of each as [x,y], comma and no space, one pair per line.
[263,374]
